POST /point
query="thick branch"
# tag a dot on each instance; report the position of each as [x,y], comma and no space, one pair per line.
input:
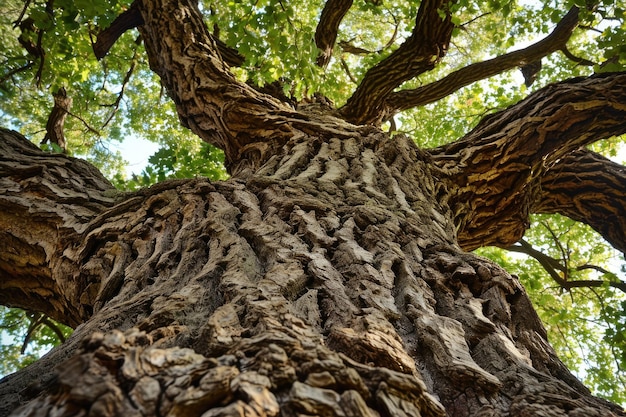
[327,28]
[588,188]
[406,99]
[210,101]
[420,53]
[131,18]
[45,199]
[497,167]
[248,125]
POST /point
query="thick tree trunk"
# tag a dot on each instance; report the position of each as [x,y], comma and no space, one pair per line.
[328,283]
[327,277]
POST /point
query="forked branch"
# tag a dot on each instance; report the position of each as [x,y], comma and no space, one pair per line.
[427,44]
[504,169]
[553,266]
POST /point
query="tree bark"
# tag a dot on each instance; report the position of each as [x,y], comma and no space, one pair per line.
[326,277]
[329,283]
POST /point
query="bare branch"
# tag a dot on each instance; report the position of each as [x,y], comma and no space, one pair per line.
[406,99]
[327,28]
[579,61]
[17,21]
[551,265]
[14,71]
[419,53]
[346,69]
[589,188]
[84,122]
[118,100]
[548,263]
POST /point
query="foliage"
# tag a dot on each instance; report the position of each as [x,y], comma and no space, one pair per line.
[586,325]
[18,327]
[119,98]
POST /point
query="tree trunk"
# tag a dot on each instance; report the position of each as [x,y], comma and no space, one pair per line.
[328,283]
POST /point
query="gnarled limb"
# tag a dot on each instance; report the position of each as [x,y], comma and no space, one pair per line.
[327,28]
[45,200]
[210,101]
[589,188]
[557,40]
[419,53]
[248,125]
[498,166]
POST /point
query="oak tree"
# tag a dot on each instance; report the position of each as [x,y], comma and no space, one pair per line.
[332,272]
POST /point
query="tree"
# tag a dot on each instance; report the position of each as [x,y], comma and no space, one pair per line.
[330,275]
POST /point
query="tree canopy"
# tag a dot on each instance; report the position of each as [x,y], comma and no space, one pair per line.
[78,77]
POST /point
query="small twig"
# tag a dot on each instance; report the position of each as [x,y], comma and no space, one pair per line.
[35,321]
[125,82]
[469,22]
[564,253]
[89,128]
[53,326]
[345,67]
[579,61]
[22,13]
[551,265]
[16,71]
[594,267]
[392,40]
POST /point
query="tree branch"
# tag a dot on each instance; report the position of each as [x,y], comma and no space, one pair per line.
[132,18]
[551,265]
[588,188]
[547,262]
[419,53]
[498,166]
[248,125]
[44,199]
[129,19]
[406,99]
[116,104]
[327,28]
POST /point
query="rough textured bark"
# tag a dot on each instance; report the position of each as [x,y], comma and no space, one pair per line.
[326,277]
[427,44]
[499,166]
[588,188]
[328,283]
